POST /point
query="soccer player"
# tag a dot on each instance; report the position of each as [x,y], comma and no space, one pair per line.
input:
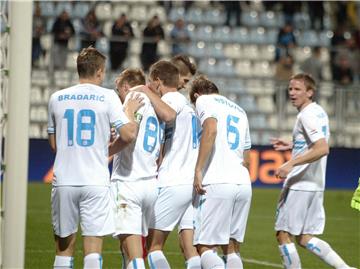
[186,228]
[179,154]
[134,183]
[300,210]
[222,180]
[79,130]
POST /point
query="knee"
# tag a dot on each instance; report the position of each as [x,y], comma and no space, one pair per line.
[283,237]
[303,239]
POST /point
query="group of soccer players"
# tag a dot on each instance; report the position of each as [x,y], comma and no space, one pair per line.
[176,163]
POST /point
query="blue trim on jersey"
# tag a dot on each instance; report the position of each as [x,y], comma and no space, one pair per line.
[51,130]
[117,124]
[152,265]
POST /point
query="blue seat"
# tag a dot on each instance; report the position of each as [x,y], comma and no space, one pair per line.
[250,18]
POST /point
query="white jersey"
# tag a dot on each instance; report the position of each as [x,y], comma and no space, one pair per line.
[138,160]
[312,124]
[232,139]
[81,117]
[181,143]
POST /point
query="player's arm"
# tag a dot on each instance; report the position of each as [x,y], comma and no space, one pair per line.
[163,111]
[280,144]
[206,145]
[52,142]
[355,200]
[318,149]
[246,161]
[128,132]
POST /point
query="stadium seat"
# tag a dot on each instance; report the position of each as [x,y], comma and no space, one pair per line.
[197,50]
[158,11]
[46,41]
[103,11]
[47,8]
[36,95]
[164,48]
[302,20]
[225,68]
[208,66]
[49,24]
[240,35]
[233,51]
[62,78]
[71,60]
[216,50]
[214,16]
[251,52]
[325,38]
[61,6]
[135,46]
[266,104]
[107,28]
[250,18]
[80,9]
[267,52]
[194,15]
[263,69]
[308,38]
[222,34]
[248,103]
[243,68]
[118,9]
[258,36]
[204,33]
[268,19]
[35,131]
[102,44]
[236,85]
[176,13]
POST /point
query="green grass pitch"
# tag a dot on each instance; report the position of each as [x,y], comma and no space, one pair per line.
[342,232]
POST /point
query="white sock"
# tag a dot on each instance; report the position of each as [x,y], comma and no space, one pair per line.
[93,261]
[233,261]
[210,260]
[157,260]
[123,260]
[137,263]
[290,256]
[63,262]
[193,263]
[323,250]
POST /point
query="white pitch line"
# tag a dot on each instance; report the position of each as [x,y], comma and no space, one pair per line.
[170,253]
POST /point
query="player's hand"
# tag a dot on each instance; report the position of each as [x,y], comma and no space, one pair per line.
[198,183]
[355,201]
[112,134]
[134,103]
[280,144]
[284,170]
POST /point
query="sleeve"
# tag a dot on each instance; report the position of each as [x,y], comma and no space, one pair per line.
[174,102]
[247,144]
[117,116]
[51,117]
[312,127]
[205,109]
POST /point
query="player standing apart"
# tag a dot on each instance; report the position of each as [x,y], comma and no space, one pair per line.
[300,210]
[79,131]
[222,180]
[134,182]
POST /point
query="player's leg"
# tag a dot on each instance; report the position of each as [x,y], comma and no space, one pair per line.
[65,218]
[212,222]
[186,238]
[132,248]
[288,223]
[170,206]
[65,248]
[97,220]
[314,224]
[238,218]
[209,257]
[232,255]
[155,244]
[189,251]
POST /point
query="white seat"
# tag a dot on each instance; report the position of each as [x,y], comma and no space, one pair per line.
[266,104]
[243,68]
[233,51]
[34,130]
[103,11]
[36,95]
[164,48]
[118,9]
[251,52]
[138,13]
[71,60]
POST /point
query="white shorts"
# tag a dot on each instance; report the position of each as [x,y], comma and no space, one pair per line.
[91,205]
[187,220]
[170,206]
[300,212]
[134,205]
[221,213]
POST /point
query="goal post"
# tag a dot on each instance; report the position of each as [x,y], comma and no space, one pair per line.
[17,135]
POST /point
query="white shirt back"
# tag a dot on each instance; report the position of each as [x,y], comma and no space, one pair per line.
[312,124]
[81,117]
[233,137]
[138,160]
[181,143]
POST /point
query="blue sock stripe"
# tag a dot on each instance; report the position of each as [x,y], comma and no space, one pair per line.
[312,247]
[152,265]
[72,262]
[100,261]
[287,254]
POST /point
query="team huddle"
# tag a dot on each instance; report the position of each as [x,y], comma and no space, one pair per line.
[176,163]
